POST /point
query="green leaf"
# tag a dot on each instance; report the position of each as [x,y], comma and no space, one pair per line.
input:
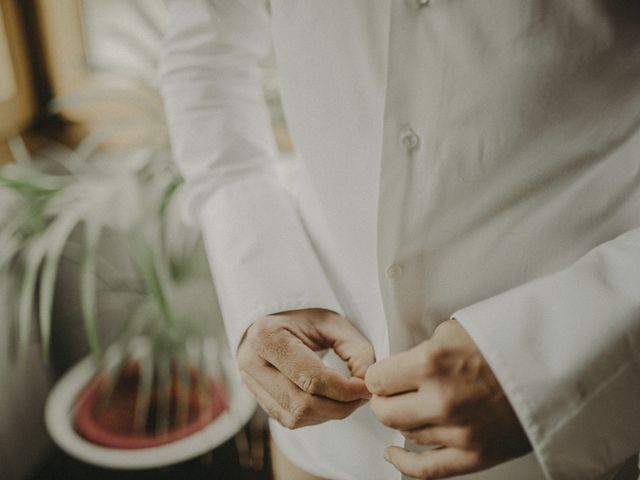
[203,378]
[88,285]
[183,388]
[27,187]
[34,256]
[152,279]
[9,239]
[56,236]
[164,395]
[145,388]
[110,367]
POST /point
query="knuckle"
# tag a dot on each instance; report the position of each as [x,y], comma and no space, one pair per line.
[296,423]
[289,420]
[285,418]
[362,358]
[283,399]
[433,356]
[311,384]
[263,332]
[300,411]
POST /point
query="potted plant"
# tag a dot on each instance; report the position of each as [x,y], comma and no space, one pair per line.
[160,386]
[165,388]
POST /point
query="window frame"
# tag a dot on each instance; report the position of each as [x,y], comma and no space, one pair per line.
[19,109]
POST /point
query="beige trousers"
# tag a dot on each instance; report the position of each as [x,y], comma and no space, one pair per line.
[283,469]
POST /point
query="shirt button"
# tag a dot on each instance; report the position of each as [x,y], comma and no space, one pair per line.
[421,3]
[394,271]
[409,140]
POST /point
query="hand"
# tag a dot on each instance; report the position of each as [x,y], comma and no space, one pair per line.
[278,363]
[443,393]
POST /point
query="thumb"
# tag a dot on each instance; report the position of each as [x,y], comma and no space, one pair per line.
[347,341]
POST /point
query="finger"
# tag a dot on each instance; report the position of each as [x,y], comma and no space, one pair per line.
[291,406]
[303,367]
[350,345]
[408,411]
[396,374]
[268,404]
[449,436]
[432,464]
[300,404]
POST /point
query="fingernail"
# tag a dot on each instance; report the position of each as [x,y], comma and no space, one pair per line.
[366,396]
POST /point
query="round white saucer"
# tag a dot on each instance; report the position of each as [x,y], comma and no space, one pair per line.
[58,420]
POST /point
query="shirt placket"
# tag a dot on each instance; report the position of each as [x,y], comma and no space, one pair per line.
[405,174]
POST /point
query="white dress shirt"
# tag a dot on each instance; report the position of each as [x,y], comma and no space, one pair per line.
[474,159]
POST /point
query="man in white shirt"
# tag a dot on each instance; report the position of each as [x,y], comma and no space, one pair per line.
[466,236]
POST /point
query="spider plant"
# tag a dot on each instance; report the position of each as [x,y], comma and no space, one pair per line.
[134,191]
[135,194]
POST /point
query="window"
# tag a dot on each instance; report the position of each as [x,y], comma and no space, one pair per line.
[16,94]
[7,75]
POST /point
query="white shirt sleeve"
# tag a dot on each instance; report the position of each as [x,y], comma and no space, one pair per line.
[260,255]
[566,349]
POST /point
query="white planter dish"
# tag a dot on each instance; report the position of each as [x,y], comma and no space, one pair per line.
[59,424]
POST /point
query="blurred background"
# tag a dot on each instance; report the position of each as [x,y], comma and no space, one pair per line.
[86,178]
[95,262]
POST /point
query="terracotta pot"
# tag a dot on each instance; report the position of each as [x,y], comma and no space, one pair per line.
[109,421]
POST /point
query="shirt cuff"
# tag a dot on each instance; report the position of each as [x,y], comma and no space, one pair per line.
[260,255]
[564,348]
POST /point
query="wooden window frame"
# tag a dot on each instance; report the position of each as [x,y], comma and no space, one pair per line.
[68,70]
[18,110]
